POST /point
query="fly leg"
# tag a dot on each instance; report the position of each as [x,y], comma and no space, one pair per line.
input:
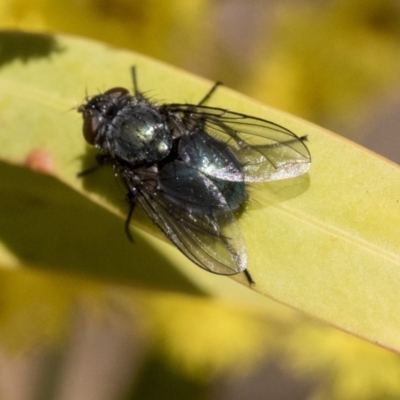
[249,278]
[131,201]
[101,159]
[209,93]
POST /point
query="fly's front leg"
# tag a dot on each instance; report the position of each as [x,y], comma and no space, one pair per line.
[101,159]
[131,200]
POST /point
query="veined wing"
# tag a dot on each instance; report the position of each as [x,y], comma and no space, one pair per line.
[192,212]
[266,150]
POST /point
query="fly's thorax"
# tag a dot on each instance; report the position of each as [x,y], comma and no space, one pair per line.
[138,134]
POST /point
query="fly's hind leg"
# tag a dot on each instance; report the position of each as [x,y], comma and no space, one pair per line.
[249,277]
[131,202]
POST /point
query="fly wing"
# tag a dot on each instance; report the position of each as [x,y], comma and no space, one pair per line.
[192,212]
[266,150]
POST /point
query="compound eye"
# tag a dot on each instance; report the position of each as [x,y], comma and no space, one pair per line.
[116,92]
[90,128]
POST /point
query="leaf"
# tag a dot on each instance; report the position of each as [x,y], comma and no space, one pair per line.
[326,243]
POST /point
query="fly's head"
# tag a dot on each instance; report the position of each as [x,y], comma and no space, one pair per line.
[99,111]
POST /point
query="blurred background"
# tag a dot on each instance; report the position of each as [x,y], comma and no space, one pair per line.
[333,62]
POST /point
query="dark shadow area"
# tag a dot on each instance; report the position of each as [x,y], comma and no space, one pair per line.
[159,381]
[102,180]
[49,226]
[26,46]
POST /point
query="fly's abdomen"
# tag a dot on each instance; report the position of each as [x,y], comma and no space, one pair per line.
[218,163]
[235,193]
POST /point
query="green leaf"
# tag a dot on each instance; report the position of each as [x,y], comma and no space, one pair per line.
[326,243]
